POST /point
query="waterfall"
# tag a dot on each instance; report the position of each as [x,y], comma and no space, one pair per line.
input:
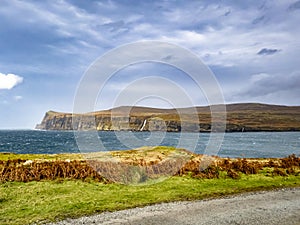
[144,123]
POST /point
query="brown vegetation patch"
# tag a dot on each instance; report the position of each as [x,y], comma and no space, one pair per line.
[140,165]
[20,170]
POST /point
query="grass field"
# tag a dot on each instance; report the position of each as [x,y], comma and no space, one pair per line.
[44,201]
[58,197]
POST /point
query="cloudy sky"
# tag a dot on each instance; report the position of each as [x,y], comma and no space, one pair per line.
[252,47]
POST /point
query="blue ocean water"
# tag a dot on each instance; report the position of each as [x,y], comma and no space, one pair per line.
[249,145]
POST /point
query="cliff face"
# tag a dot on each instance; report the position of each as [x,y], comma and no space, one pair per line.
[240,117]
[62,121]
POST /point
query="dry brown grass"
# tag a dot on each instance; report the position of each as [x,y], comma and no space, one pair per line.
[19,170]
[233,168]
[140,165]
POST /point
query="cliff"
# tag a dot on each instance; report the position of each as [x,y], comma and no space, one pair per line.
[240,117]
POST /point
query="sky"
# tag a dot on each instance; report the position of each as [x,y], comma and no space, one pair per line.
[251,47]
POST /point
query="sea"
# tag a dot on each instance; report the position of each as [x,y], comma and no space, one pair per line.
[234,145]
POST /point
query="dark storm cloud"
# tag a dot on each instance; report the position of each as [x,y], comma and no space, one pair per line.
[294,6]
[227,13]
[266,84]
[268,51]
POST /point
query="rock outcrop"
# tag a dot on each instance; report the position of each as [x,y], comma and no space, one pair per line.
[240,118]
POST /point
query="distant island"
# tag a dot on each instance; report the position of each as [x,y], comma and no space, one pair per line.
[243,117]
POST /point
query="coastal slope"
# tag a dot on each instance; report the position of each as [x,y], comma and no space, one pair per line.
[241,117]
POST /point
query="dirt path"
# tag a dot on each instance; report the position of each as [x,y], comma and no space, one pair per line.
[267,207]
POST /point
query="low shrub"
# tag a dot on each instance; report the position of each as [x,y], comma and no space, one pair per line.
[128,172]
[17,170]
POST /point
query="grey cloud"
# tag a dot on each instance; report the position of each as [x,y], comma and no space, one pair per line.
[258,20]
[263,6]
[266,84]
[227,13]
[115,26]
[268,51]
[168,57]
[294,6]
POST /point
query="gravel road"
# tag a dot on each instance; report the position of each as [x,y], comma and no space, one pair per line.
[266,207]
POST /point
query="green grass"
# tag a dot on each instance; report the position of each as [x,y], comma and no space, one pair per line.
[12,156]
[140,152]
[25,203]
[45,201]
